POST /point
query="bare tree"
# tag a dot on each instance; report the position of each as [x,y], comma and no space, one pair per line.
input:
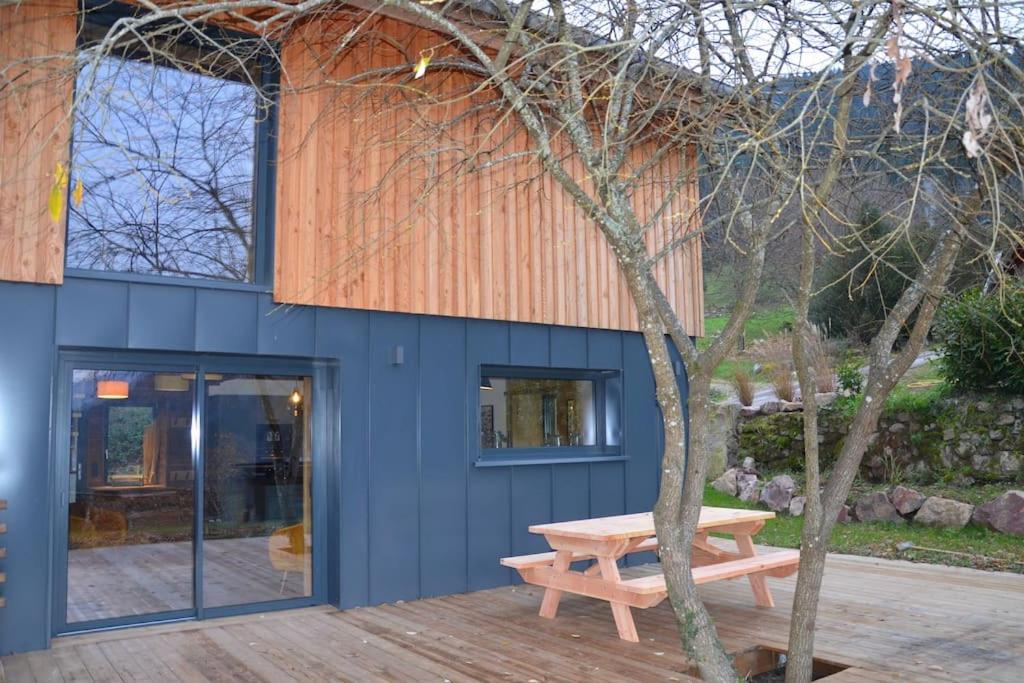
[604,93]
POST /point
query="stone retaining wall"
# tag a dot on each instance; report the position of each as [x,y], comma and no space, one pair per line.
[956,439]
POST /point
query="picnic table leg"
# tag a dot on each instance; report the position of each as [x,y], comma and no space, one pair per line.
[552,596]
[623,616]
[759,584]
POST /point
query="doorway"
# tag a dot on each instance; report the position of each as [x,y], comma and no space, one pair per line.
[186,489]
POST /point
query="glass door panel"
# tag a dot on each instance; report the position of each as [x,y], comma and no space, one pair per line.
[130,504]
[257,507]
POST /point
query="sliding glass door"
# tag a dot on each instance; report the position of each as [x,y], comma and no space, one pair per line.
[130,502]
[256,489]
[188,490]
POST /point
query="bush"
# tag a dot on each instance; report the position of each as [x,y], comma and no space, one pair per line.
[982,338]
[743,383]
[859,287]
[850,379]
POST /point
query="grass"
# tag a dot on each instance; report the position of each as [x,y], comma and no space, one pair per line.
[759,325]
[981,548]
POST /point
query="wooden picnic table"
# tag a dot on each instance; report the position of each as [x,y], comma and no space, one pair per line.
[605,540]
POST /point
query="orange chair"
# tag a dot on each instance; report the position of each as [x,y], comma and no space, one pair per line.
[287,550]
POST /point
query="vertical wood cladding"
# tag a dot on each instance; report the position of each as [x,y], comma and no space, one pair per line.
[35,100]
[417,197]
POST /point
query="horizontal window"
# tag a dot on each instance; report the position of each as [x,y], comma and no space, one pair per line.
[535,413]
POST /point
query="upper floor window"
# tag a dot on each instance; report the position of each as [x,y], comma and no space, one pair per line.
[538,411]
[167,145]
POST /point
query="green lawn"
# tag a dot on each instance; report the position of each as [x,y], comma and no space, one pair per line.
[760,324]
[983,548]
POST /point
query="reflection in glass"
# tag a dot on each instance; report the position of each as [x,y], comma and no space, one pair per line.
[536,412]
[166,160]
[257,489]
[130,503]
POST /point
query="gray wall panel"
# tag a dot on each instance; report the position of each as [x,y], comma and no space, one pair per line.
[285,330]
[92,313]
[161,317]
[226,321]
[26,367]
[415,515]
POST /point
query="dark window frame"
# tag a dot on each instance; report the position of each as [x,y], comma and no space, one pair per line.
[608,408]
[103,13]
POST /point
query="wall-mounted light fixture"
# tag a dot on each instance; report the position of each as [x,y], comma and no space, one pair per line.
[485,384]
[111,388]
[296,402]
[398,355]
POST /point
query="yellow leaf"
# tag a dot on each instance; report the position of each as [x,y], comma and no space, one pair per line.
[56,203]
[79,193]
[421,66]
[60,175]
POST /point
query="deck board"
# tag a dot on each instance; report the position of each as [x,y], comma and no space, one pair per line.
[893,620]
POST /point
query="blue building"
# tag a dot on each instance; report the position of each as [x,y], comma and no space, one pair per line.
[202,415]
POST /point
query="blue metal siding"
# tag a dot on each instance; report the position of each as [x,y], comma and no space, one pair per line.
[26,365]
[415,517]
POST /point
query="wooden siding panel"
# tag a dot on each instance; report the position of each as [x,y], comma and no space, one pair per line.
[35,99]
[394,200]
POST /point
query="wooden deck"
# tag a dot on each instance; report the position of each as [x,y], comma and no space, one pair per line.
[892,620]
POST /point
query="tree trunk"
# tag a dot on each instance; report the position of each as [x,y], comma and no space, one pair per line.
[684,469]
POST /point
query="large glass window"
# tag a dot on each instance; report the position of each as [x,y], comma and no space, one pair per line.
[165,146]
[139,542]
[531,409]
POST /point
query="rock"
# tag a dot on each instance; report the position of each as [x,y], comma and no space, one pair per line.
[749,411]
[791,406]
[897,427]
[770,407]
[1006,419]
[876,507]
[995,435]
[796,506]
[748,487]
[944,512]
[906,500]
[1005,513]
[1018,404]
[722,437]
[1009,463]
[981,462]
[777,493]
[983,406]
[749,465]
[727,482]
[948,434]
[823,399]
[845,515]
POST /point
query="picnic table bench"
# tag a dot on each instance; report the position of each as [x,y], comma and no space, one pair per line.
[605,540]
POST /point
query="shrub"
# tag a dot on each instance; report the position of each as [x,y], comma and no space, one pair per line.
[782,382]
[982,338]
[743,383]
[861,284]
[849,377]
[821,352]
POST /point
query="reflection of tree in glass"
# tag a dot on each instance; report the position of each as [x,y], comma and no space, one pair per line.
[166,158]
[127,425]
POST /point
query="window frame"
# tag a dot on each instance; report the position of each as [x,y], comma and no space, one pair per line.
[608,408]
[103,13]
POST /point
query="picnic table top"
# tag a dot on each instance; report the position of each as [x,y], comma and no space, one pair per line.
[642,524]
